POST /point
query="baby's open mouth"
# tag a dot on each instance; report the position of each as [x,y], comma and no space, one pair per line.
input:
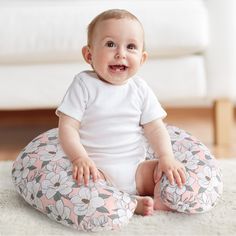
[118,67]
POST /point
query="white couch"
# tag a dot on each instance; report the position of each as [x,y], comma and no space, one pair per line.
[190,44]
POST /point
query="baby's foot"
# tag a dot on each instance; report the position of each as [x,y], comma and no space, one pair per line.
[144,206]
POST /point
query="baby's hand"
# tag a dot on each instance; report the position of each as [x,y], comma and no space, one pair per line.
[173,169]
[83,168]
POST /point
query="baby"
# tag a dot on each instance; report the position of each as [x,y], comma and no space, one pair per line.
[106,111]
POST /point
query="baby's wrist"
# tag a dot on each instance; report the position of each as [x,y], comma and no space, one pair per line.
[76,159]
[79,158]
[169,156]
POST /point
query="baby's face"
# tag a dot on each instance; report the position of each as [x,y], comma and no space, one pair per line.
[117,50]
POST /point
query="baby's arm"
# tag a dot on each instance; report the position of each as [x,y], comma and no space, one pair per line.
[69,138]
[158,137]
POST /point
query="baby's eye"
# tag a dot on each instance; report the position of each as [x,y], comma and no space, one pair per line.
[132,46]
[110,44]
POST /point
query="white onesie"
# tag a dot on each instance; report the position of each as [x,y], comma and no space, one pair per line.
[110,123]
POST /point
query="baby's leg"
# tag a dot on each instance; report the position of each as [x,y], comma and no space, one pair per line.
[146,185]
[144,204]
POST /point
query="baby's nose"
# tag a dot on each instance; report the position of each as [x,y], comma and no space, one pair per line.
[120,54]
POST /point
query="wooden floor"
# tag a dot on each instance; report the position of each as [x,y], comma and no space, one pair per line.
[19,128]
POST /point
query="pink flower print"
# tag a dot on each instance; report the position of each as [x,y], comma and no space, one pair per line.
[176,133]
[49,152]
[123,216]
[205,200]
[32,191]
[86,202]
[207,178]
[55,183]
[60,212]
[22,168]
[190,161]
[99,223]
[186,204]
[32,147]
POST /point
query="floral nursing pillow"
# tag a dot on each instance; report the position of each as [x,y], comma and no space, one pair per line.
[204,179]
[42,174]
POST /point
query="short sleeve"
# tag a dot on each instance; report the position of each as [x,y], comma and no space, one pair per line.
[151,108]
[75,100]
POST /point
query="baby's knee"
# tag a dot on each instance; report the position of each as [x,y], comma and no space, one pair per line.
[144,177]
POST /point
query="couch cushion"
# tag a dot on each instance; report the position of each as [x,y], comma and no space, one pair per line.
[175,79]
[44,85]
[54,31]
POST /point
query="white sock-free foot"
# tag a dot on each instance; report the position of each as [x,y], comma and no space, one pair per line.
[144,206]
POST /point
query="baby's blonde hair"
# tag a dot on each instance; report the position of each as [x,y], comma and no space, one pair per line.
[107,15]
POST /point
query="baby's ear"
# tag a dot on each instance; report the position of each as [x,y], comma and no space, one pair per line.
[87,54]
[144,57]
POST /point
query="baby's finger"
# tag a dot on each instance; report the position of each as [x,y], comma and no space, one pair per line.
[80,174]
[75,170]
[170,177]
[182,174]
[86,176]
[177,178]
[94,173]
